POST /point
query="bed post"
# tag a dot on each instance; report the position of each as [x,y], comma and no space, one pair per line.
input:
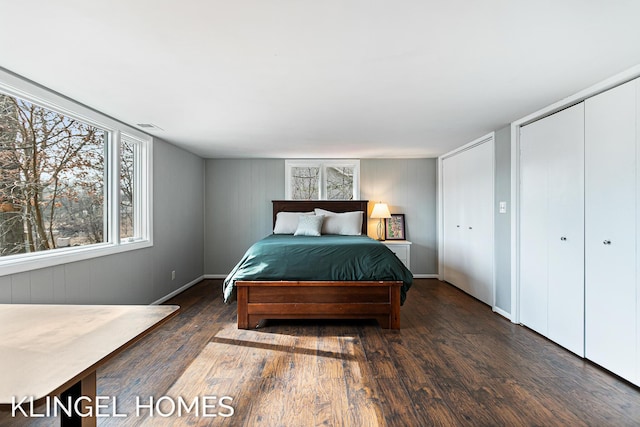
[243,312]
[394,316]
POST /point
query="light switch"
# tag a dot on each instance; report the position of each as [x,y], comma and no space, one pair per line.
[503,207]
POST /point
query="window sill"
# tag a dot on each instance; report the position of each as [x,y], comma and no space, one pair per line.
[34,261]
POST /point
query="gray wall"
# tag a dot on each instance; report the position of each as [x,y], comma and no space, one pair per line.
[408,186]
[144,275]
[238,207]
[239,193]
[503,221]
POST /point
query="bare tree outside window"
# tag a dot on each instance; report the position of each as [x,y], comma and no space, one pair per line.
[51,179]
[322,179]
[127,181]
[11,221]
[340,183]
[305,182]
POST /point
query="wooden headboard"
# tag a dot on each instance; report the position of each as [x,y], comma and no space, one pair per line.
[329,205]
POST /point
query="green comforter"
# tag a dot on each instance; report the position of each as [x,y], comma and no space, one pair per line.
[327,257]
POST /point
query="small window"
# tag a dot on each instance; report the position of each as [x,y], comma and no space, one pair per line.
[322,179]
[128,155]
[134,173]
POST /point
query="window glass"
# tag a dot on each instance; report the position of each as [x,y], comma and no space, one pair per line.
[52,181]
[340,182]
[305,183]
[334,179]
[128,154]
[74,184]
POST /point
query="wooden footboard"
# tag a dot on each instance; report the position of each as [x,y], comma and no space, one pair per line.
[260,300]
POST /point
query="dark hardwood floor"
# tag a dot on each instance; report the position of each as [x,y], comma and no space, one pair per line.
[454,362]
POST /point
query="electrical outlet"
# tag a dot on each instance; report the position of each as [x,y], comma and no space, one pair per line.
[173,275]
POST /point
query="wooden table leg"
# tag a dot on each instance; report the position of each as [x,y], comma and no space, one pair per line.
[87,389]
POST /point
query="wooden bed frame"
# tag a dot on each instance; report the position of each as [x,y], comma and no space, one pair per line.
[261,300]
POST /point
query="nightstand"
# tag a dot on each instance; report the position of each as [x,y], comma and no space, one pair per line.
[402,248]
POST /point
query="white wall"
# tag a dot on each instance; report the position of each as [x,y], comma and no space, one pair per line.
[144,275]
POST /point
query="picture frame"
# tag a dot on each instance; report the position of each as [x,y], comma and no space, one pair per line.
[394,228]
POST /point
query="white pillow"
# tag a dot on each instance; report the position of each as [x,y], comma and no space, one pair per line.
[287,222]
[309,225]
[346,224]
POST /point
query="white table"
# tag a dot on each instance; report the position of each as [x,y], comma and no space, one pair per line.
[46,350]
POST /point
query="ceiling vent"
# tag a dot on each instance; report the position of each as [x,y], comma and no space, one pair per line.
[148,126]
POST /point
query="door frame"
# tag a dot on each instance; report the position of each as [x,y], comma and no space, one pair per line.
[488,138]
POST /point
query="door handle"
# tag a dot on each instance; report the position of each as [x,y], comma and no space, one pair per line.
[564,239]
[607,242]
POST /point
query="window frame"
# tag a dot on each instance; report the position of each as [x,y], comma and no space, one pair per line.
[323,164]
[142,208]
[115,131]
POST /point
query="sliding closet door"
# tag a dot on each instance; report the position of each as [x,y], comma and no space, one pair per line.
[552,227]
[611,191]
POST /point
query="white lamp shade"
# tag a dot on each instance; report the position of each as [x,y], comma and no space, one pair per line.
[380,210]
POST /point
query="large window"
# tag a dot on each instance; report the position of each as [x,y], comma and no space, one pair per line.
[322,179]
[72,185]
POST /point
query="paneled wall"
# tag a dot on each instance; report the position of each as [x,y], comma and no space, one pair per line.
[238,207]
[502,239]
[141,276]
[239,193]
[408,186]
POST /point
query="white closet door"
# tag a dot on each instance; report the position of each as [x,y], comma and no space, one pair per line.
[552,227]
[468,220]
[610,230]
[478,220]
[637,379]
[458,257]
[566,233]
[534,221]
[453,271]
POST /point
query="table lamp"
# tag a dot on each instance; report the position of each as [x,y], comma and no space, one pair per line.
[381,211]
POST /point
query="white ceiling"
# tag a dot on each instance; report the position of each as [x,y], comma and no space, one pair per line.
[319,78]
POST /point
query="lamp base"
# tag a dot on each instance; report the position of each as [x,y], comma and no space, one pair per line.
[380,231]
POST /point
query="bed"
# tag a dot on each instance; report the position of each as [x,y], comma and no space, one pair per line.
[325,277]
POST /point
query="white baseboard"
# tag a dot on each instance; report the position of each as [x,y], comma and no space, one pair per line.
[215,276]
[425,276]
[224,276]
[501,312]
[177,291]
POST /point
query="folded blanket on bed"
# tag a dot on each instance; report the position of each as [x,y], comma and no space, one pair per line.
[326,257]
